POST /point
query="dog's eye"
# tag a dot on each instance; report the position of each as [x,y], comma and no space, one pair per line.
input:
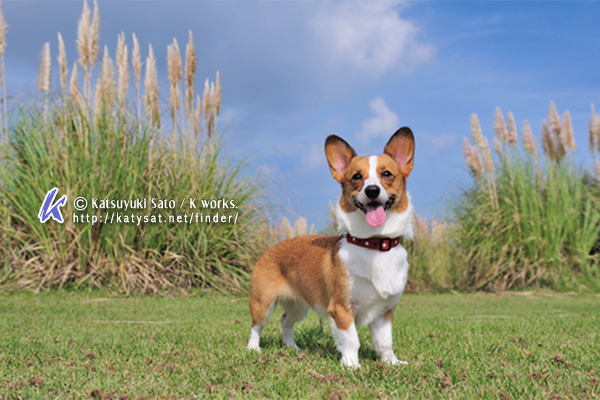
[386,174]
[357,176]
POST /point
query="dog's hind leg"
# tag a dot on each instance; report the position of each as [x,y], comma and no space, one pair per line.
[295,311]
[260,309]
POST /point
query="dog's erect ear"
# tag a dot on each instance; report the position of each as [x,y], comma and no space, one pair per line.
[401,147]
[339,153]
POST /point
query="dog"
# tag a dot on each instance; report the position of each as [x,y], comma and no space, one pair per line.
[353,279]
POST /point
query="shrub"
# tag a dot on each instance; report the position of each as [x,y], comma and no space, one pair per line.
[531,219]
[94,140]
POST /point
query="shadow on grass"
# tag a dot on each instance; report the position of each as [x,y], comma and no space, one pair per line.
[313,340]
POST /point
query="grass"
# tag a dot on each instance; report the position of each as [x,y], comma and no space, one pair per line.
[77,345]
[88,140]
[532,219]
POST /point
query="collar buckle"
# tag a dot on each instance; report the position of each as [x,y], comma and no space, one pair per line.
[385,244]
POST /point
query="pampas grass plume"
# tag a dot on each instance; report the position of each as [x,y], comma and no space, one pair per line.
[151,86]
[500,126]
[136,61]
[122,58]
[62,63]
[83,36]
[107,76]
[3,31]
[218,93]
[191,65]
[512,130]
[566,133]
[554,118]
[594,130]
[527,137]
[94,33]
[44,73]
[74,93]
[174,75]
[476,131]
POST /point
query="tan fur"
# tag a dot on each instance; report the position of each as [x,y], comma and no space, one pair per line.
[389,315]
[306,267]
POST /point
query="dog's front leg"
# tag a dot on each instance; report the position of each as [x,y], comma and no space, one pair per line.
[381,335]
[345,334]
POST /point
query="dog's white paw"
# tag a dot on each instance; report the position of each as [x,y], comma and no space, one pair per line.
[350,362]
[293,346]
[253,345]
[392,360]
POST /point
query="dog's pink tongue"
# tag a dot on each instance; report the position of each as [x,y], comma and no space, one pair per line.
[375,215]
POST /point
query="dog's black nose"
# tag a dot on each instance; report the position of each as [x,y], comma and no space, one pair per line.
[372,191]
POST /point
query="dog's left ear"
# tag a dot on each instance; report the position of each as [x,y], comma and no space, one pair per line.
[401,147]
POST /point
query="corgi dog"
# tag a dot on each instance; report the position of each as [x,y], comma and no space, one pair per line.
[353,279]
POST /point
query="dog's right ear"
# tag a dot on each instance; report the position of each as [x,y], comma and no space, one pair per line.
[339,154]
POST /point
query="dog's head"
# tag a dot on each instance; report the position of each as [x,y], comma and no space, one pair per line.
[373,188]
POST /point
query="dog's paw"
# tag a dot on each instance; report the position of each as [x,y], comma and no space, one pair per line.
[350,362]
[392,360]
[253,346]
[293,346]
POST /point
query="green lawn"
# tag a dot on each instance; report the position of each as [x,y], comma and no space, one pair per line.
[82,345]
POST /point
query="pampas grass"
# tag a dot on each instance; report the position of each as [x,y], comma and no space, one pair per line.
[74,92]
[94,37]
[45,74]
[45,70]
[528,141]
[4,113]
[543,221]
[105,87]
[482,170]
[122,59]
[191,65]
[136,63]
[151,86]
[500,126]
[89,143]
[512,130]
[62,64]
[174,75]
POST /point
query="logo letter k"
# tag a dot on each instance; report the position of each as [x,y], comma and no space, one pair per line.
[49,210]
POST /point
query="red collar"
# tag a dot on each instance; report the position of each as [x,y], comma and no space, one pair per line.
[381,244]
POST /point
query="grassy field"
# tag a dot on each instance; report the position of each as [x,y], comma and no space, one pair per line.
[95,345]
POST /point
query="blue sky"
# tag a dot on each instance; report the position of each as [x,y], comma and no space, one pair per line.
[295,72]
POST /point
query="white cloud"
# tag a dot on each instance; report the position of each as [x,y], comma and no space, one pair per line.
[369,37]
[383,123]
[439,143]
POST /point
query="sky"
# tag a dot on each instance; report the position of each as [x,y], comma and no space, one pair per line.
[295,72]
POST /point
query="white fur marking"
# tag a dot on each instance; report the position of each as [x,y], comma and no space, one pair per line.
[381,334]
[372,179]
[347,343]
[253,343]
[377,278]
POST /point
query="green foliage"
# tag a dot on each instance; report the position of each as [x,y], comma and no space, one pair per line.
[529,223]
[116,157]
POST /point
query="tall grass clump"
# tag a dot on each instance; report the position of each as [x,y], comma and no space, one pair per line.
[431,254]
[93,139]
[531,218]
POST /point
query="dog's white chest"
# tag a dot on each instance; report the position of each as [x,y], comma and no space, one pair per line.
[377,279]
